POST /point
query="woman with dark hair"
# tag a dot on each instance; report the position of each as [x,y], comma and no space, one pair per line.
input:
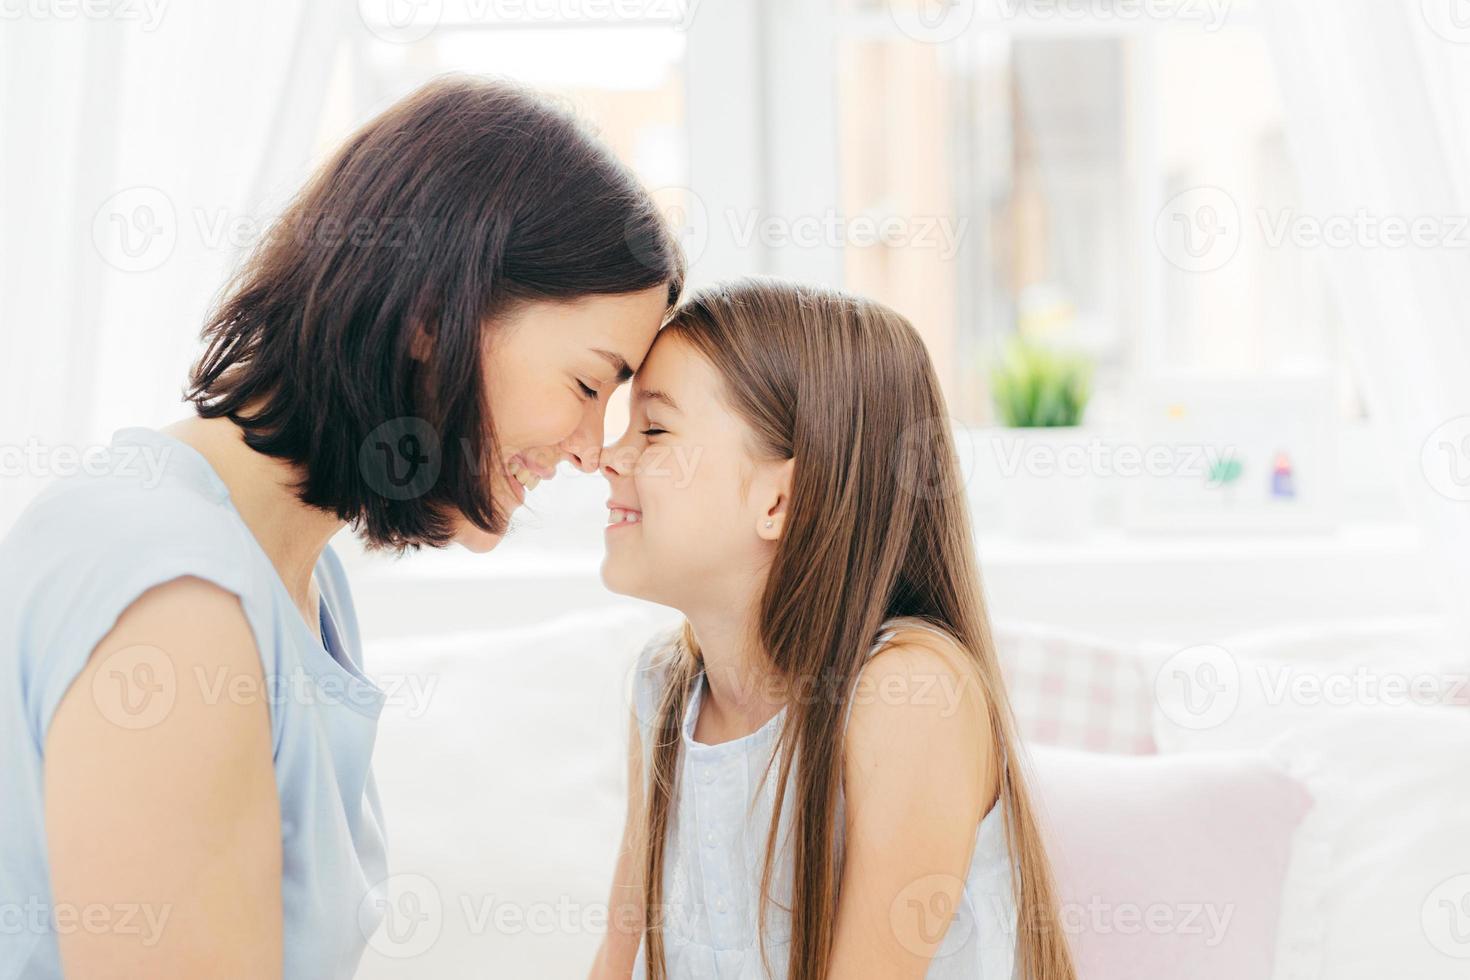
[436,322]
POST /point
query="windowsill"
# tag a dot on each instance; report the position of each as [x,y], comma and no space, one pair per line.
[1129,587]
[1109,547]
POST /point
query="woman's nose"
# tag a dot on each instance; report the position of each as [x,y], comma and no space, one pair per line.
[583,448]
[583,459]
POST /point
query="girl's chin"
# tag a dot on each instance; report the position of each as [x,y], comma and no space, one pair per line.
[615,577]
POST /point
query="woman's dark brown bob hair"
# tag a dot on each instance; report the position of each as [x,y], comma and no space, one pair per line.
[455,205]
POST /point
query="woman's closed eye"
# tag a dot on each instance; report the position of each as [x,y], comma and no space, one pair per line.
[588,392]
[652,430]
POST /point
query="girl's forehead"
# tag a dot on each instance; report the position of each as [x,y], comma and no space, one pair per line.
[668,361]
[677,376]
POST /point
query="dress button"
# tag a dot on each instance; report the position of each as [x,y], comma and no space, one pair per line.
[709,838]
[721,905]
[707,775]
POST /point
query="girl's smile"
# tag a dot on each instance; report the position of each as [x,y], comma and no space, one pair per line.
[621,515]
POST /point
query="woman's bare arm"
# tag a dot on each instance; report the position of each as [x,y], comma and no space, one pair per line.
[161,804]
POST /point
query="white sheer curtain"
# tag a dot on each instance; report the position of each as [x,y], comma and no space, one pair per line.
[1377,97]
[143,147]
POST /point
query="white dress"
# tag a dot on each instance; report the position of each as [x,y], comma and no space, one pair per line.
[716,846]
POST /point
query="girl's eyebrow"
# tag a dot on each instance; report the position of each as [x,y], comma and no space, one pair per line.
[653,394]
[619,363]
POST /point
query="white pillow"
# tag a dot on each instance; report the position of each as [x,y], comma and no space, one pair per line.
[501,761]
[1392,801]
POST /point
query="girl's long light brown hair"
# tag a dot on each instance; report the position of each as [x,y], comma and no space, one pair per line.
[877,528]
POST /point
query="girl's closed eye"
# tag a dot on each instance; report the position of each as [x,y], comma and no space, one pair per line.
[652,430]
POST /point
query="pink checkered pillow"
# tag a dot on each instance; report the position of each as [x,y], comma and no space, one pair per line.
[1075,691]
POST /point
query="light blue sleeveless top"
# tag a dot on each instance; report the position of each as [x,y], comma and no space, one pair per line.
[716,848]
[76,559]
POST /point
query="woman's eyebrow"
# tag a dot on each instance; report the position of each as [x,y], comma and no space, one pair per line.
[619,363]
[653,394]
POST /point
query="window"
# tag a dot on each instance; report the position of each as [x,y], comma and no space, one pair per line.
[1116,175]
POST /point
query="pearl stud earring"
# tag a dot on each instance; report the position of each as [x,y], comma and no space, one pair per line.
[770,523]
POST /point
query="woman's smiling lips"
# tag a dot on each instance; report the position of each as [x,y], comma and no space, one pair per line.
[621,515]
[526,475]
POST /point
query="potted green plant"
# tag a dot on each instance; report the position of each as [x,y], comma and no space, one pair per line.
[1041,396]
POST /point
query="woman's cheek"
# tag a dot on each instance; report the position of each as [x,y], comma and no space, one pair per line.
[542,416]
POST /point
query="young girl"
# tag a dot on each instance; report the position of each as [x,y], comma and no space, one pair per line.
[824,779]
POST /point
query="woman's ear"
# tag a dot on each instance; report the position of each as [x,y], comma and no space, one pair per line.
[776,489]
[421,343]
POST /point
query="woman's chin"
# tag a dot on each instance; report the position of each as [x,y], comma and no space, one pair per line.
[475,539]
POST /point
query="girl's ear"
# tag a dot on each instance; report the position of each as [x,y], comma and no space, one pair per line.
[777,493]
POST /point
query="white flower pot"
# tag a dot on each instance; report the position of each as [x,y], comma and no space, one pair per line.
[1047,483]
